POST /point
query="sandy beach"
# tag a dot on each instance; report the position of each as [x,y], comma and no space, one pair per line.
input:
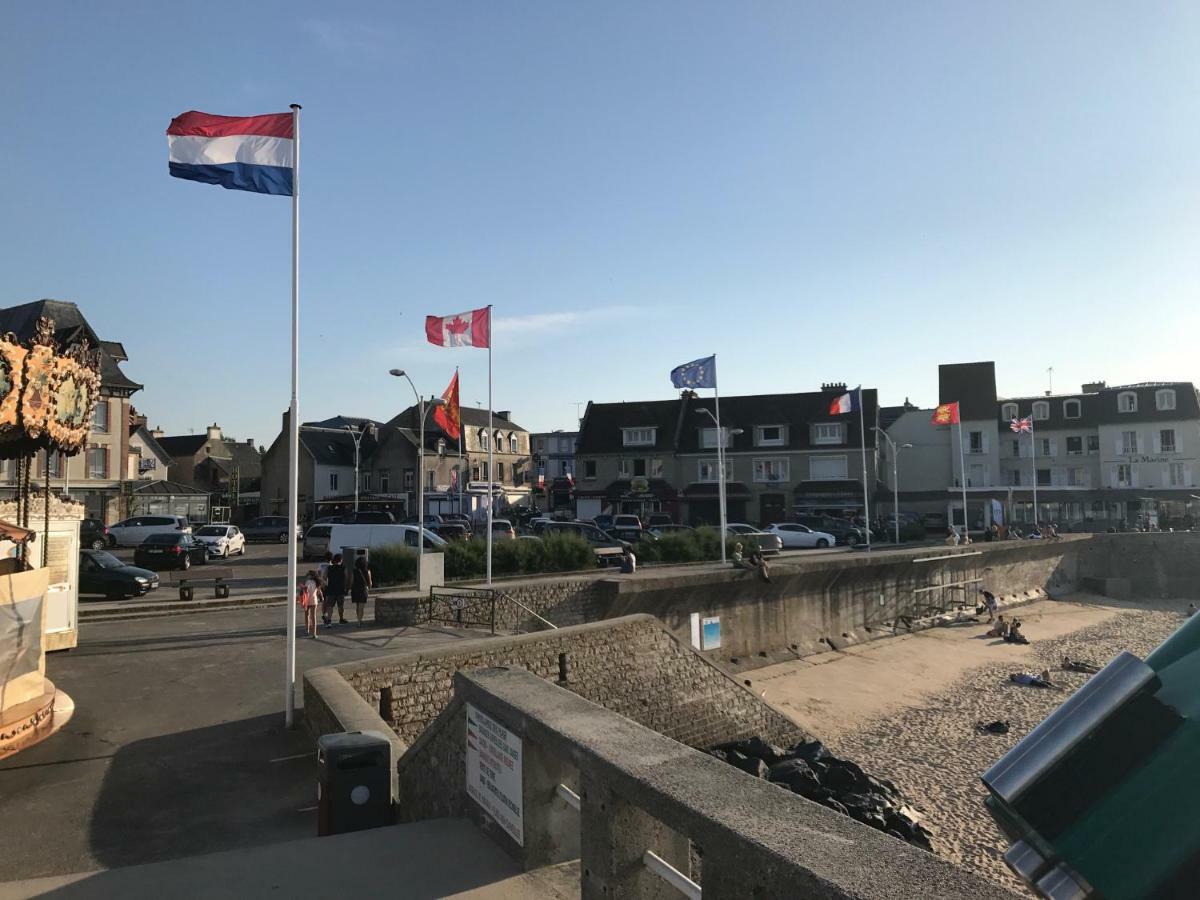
[905,708]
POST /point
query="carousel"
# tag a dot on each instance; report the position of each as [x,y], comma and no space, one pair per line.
[47,397]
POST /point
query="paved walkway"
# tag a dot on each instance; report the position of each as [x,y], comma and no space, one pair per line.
[438,858]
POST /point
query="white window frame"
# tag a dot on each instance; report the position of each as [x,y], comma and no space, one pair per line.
[333,481]
[845,471]
[624,468]
[654,467]
[483,439]
[1165,394]
[762,441]
[513,444]
[1008,412]
[639,437]
[837,435]
[1091,443]
[706,471]
[1163,447]
[762,465]
[1128,446]
[971,451]
[592,475]
[1082,445]
[1041,411]
[708,438]
[97,427]
[1128,471]
[1067,404]
[1132,397]
[1184,479]
[1077,476]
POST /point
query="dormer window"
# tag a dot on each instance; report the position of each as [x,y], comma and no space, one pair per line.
[513,444]
[1008,411]
[1127,402]
[638,437]
[1164,399]
[1041,411]
[1072,409]
[483,439]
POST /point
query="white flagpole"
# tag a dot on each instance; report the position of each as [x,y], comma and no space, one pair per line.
[862,427]
[293,431]
[1033,457]
[491,474]
[720,460]
[460,431]
[962,470]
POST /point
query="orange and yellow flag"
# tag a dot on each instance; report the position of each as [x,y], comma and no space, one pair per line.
[447,415]
[946,414]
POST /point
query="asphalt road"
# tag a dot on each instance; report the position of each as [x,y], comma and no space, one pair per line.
[177,745]
[262,571]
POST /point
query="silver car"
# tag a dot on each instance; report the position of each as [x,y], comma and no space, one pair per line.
[768,543]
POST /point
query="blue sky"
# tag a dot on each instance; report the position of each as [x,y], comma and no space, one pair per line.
[815,192]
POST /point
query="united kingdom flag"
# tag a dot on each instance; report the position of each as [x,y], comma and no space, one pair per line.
[1021,426]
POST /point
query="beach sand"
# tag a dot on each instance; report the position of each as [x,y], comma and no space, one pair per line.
[905,708]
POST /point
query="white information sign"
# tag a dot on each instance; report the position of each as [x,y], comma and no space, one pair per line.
[494,771]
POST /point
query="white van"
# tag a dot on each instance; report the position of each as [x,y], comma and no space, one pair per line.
[373,537]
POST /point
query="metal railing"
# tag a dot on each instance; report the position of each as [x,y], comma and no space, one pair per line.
[462,606]
[515,602]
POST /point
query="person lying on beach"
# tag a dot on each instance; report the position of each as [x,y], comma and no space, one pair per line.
[1014,635]
[999,628]
[1078,665]
[1025,678]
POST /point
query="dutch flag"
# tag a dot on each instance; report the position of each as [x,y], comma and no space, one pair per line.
[242,153]
[846,403]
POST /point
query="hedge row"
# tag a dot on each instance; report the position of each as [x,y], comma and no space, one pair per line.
[468,559]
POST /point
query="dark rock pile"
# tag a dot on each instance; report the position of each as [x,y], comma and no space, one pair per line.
[810,770]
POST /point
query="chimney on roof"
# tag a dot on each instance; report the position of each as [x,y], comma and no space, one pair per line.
[249,442]
[214,432]
[1094,387]
[503,414]
[157,432]
[834,386]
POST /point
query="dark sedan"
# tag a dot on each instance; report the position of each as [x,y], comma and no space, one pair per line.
[269,528]
[93,533]
[170,551]
[103,573]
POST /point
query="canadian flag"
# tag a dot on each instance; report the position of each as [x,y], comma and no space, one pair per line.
[469,329]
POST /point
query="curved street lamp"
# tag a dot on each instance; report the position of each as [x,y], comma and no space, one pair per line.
[422,410]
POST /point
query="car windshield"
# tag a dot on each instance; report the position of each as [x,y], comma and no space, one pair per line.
[162,539]
[212,531]
[106,561]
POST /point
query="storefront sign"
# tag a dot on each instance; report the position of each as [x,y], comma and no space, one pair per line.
[494,771]
[639,485]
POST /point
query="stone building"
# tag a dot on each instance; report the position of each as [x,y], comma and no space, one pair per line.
[553,454]
[784,453]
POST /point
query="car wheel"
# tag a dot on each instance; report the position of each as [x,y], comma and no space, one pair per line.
[98,543]
[852,540]
[283,537]
[187,562]
[821,542]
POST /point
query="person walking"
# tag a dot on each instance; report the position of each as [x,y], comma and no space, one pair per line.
[360,584]
[310,598]
[323,578]
[335,590]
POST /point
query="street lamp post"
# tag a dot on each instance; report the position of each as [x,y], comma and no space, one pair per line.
[421,410]
[895,477]
[721,473]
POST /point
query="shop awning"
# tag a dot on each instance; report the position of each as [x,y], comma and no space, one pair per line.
[708,490]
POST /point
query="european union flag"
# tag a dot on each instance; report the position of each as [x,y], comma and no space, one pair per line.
[699,373]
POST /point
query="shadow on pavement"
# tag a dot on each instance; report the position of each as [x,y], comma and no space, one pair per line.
[237,784]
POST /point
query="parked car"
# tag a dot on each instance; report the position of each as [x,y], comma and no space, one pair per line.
[625,520]
[170,551]
[767,542]
[452,531]
[935,521]
[132,532]
[222,540]
[502,530]
[103,573]
[603,521]
[367,517]
[793,535]
[843,530]
[345,539]
[608,549]
[430,519]
[660,530]
[316,541]
[631,535]
[655,519]
[269,528]
[94,533]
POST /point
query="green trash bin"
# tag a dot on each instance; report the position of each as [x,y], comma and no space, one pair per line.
[354,785]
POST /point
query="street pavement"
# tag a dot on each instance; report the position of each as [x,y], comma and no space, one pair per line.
[177,745]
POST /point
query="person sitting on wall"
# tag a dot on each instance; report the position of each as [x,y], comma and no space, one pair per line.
[739,561]
[952,538]
[759,563]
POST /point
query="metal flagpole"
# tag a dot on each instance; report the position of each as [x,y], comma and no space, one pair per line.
[293,431]
[862,428]
[720,459]
[1033,457]
[491,495]
[962,474]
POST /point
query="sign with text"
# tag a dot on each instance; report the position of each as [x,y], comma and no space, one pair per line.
[494,771]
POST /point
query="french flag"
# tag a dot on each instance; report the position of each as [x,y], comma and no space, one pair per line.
[846,403]
[242,153]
